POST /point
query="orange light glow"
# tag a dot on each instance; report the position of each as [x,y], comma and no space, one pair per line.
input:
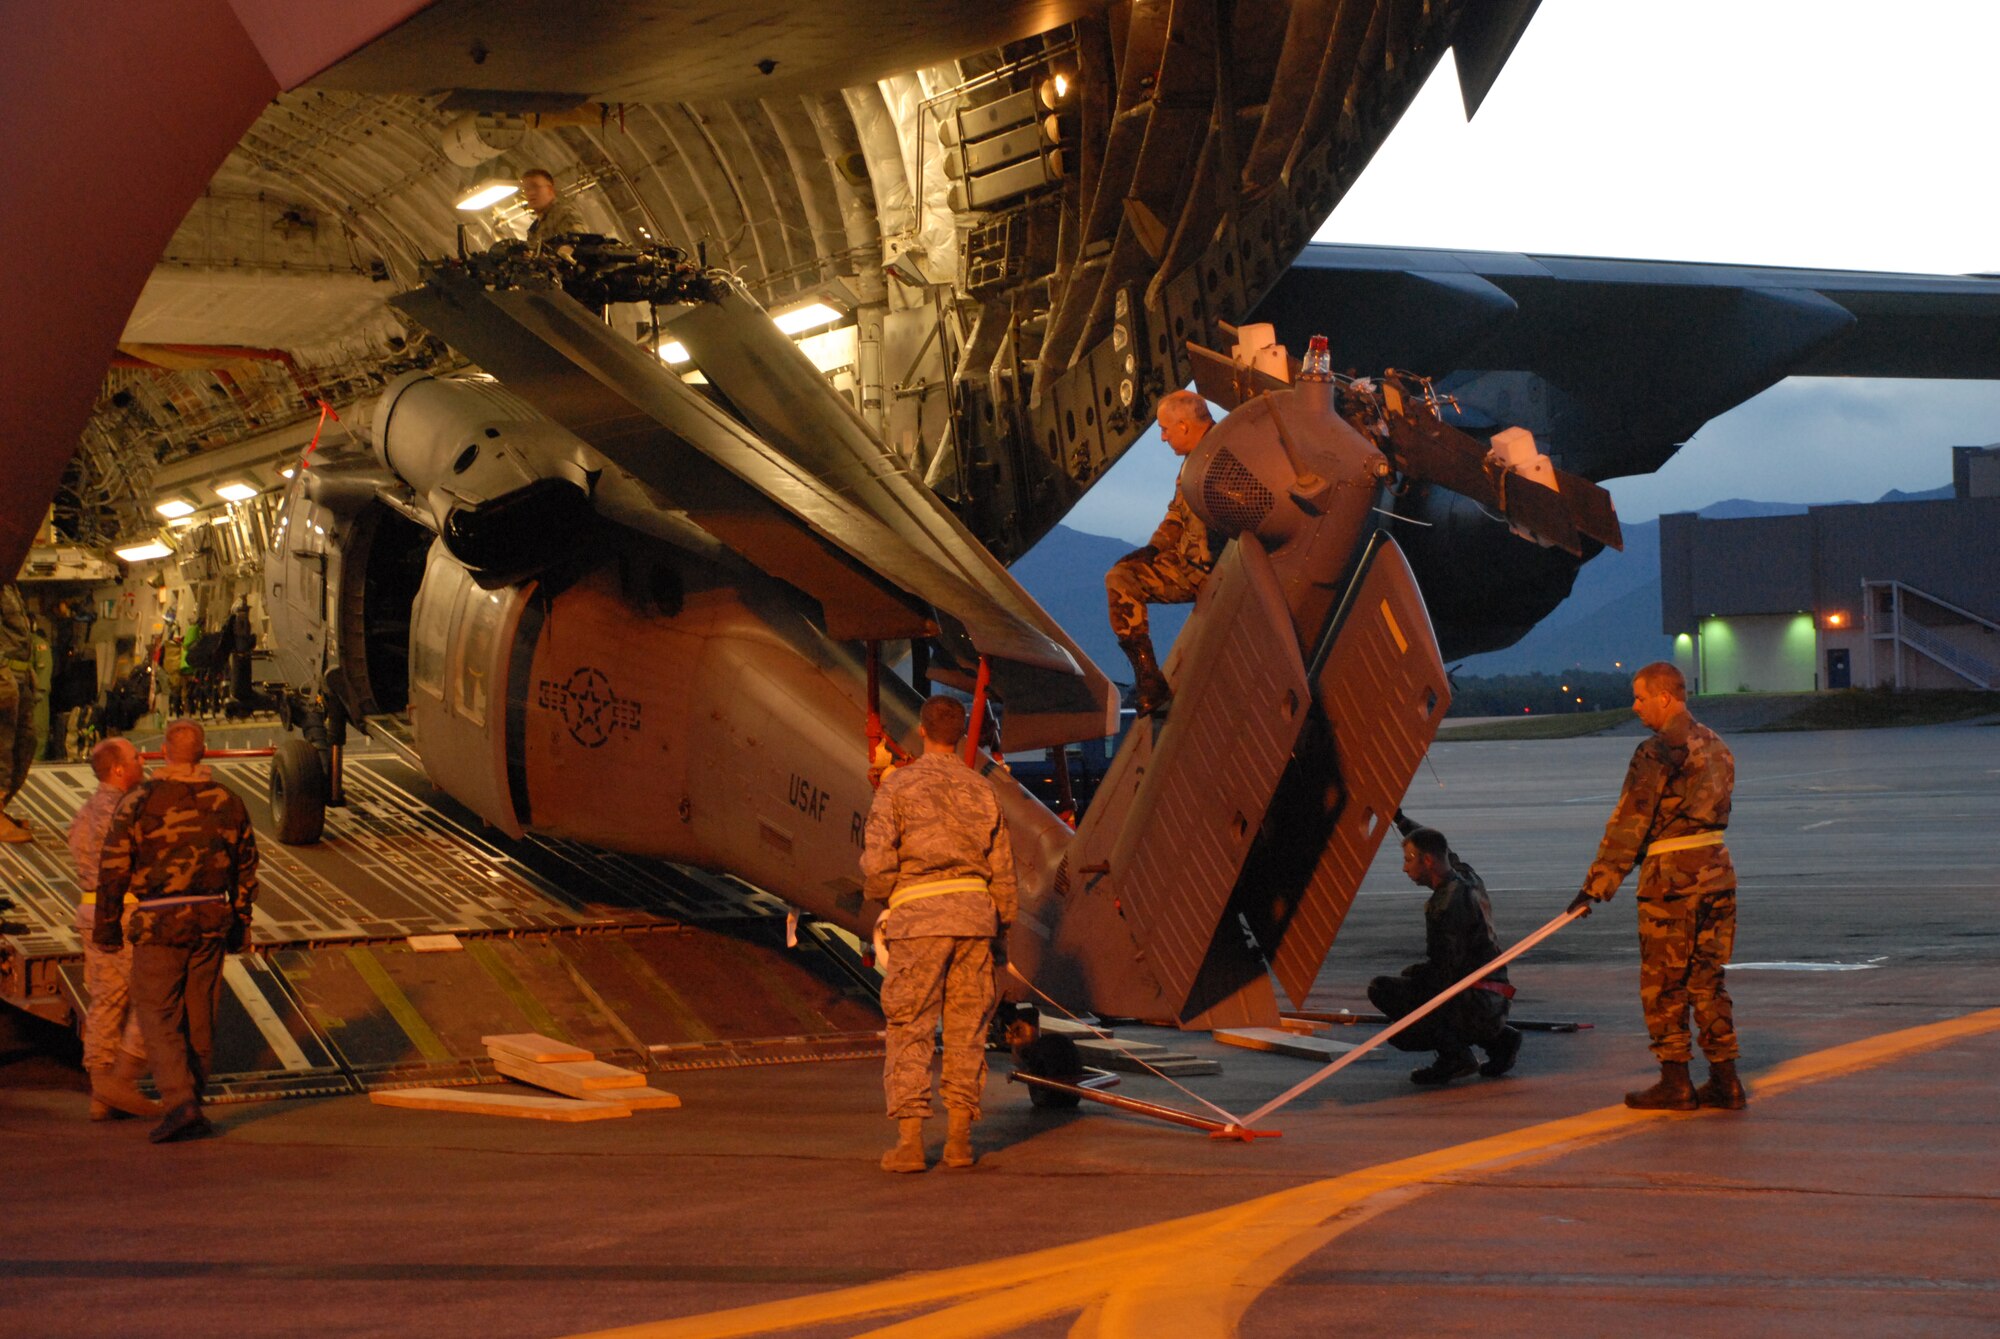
[1836,620]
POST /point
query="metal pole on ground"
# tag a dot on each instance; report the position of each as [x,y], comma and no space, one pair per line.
[1435,1002]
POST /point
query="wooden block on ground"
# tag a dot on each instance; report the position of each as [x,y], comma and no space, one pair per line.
[639,1099]
[578,1078]
[474,1102]
[1280,1042]
[534,1047]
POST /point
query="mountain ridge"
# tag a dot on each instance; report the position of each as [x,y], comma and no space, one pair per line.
[1612,613]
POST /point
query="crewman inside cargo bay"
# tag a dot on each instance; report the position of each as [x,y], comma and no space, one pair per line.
[1170,568]
[554,215]
[936,849]
[1458,938]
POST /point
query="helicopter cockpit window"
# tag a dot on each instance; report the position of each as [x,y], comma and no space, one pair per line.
[431,624]
[479,632]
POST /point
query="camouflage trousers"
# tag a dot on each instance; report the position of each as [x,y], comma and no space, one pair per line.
[175,992]
[110,1023]
[1143,577]
[1684,943]
[938,975]
[17,732]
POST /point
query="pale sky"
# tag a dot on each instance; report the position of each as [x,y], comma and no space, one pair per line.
[1820,133]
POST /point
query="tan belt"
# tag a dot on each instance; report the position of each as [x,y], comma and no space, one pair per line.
[1713,837]
[916,892]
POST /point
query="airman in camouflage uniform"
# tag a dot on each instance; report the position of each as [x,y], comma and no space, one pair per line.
[17,705]
[182,846]
[937,852]
[1172,566]
[1670,820]
[114,1050]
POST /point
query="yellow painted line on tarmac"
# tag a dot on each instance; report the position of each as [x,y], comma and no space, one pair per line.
[1198,1275]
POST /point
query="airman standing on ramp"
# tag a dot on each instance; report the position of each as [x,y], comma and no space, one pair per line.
[937,851]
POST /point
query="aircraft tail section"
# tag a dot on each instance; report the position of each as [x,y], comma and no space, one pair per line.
[1227,842]
[1138,922]
[1380,690]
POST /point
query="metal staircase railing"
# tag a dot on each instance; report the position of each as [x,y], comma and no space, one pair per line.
[1904,630]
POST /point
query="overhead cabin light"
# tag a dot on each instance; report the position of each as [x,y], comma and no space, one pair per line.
[288,471]
[809,317]
[1054,90]
[235,491]
[143,553]
[175,505]
[489,192]
[673,353]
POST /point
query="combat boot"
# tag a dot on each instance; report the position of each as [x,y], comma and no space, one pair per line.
[958,1138]
[1672,1093]
[908,1154]
[1723,1089]
[183,1122]
[1501,1053]
[1153,693]
[11,831]
[1448,1066]
[116,1089]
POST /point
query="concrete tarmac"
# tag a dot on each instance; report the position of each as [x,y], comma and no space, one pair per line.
[1856,1196]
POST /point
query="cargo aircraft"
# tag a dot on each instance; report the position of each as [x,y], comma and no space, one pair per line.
[630,565]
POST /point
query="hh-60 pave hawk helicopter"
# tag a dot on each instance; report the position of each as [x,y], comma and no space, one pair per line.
[651,615]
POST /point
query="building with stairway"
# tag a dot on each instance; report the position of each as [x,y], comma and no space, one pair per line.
[1885,594]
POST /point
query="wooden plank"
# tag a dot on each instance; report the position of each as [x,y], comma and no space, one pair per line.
[534,1048]
[583,1078]
[639,1099]
[1280,1042]
[521,1107]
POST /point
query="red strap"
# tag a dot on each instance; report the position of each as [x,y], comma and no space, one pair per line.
[978,721]
[1500,988]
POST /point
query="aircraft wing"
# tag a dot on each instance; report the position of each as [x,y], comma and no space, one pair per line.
[1613,364]
[799,487]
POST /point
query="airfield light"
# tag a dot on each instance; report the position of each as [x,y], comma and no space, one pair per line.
[235,491]
[809,317]
[143,553]
[1836,620]
[175,505]
[489,192]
